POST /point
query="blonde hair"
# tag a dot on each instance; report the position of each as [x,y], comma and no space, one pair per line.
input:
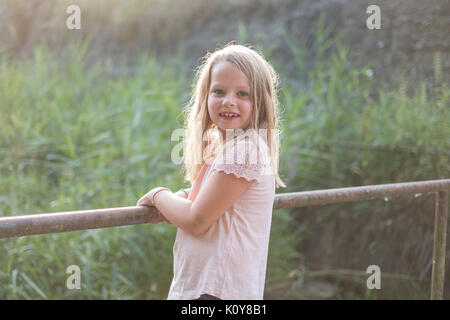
[263,81]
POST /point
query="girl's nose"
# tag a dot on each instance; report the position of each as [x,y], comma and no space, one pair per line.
[228,101]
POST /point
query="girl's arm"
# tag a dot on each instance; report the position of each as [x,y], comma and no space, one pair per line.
[180,193]
[215,197]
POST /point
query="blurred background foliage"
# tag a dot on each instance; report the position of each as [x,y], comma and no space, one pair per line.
[80,129]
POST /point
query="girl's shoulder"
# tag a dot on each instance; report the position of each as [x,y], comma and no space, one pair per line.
[245,158]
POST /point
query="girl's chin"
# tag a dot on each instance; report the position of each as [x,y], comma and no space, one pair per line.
[225,125]
[225,128]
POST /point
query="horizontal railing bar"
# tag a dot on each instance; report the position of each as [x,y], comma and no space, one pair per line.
[25,225]
[17,226]
[354,194]
[355,145]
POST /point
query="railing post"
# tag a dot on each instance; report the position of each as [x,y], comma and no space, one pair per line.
[440,235]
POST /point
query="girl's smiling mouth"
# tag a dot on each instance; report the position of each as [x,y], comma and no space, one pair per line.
[228,115]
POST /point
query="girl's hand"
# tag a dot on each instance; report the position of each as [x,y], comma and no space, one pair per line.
[146,200]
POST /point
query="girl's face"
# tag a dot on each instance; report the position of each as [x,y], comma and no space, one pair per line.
[229,103]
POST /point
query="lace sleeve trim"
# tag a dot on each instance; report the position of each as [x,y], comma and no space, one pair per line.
[241,162]
[248,172]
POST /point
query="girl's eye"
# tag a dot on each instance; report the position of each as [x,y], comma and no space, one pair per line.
[218,91]
[243,94]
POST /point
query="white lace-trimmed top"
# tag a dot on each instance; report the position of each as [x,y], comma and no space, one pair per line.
[229,260]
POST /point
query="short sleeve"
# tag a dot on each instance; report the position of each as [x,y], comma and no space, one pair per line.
[243,159]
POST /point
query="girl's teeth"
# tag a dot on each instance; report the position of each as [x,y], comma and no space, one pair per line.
[229,115]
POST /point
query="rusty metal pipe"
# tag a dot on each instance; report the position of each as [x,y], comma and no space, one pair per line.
[440,238]
[17,226]
[353,194]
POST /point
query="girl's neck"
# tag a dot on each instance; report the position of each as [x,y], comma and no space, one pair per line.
[225,138]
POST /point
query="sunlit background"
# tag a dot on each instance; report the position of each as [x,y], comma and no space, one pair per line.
[86,118]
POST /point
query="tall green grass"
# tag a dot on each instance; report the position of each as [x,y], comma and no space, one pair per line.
[330,98]
[75,139]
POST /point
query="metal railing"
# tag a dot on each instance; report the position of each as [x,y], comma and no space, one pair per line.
[18,226]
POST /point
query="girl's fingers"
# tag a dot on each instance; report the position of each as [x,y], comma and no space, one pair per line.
[144,201]
[139,203]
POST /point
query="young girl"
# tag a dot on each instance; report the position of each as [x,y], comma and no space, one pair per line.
[231,159]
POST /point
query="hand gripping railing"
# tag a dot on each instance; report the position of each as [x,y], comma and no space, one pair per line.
[17,226]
